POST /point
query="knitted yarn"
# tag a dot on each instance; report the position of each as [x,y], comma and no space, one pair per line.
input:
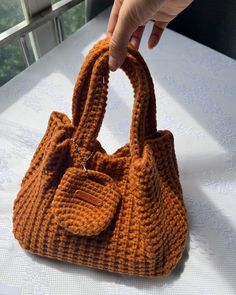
[122,212]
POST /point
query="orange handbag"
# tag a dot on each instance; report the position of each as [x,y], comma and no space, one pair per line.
[122,212]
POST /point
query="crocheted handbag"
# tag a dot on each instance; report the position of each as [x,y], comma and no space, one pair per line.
[122,212]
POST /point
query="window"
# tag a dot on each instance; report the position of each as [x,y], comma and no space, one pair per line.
[22,49]
[11,58]
[11,13]
[12,62]
[73,19]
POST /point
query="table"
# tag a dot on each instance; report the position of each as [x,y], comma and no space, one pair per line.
[195,89]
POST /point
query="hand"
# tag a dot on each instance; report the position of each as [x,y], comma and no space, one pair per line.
[128,19]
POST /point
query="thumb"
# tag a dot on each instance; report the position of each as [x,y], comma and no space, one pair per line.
[120,39]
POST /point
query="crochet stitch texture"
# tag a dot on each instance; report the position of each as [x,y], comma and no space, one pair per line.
[122,212]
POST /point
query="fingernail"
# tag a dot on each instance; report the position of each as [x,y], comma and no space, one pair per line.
[113,64]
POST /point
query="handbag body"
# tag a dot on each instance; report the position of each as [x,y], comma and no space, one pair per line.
[121,212]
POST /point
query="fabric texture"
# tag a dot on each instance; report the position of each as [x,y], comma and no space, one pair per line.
[122,212]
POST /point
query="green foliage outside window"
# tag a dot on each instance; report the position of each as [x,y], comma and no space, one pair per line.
[10,14]
[11,58]
[74,19]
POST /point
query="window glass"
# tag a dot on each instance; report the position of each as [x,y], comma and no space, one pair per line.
[12,61]
[11,14]
[73,19]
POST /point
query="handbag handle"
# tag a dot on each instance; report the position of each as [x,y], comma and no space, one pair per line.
[82,83]
[93,85]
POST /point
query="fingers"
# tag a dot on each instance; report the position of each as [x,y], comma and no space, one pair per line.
[127,23]
[136,37]
[114,16]
[122,33]
[167,12]
[156,33]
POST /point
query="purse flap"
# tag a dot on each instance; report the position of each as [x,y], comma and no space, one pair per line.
[85,201]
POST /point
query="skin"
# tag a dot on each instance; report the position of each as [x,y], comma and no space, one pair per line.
[127,22]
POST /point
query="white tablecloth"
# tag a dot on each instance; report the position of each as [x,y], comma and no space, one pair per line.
[195,89]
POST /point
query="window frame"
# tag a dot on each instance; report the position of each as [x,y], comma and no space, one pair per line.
[42,22]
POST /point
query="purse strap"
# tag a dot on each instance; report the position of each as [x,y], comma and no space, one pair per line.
[82,84]
[90,97]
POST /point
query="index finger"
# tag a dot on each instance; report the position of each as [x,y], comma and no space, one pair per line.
[114,16]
